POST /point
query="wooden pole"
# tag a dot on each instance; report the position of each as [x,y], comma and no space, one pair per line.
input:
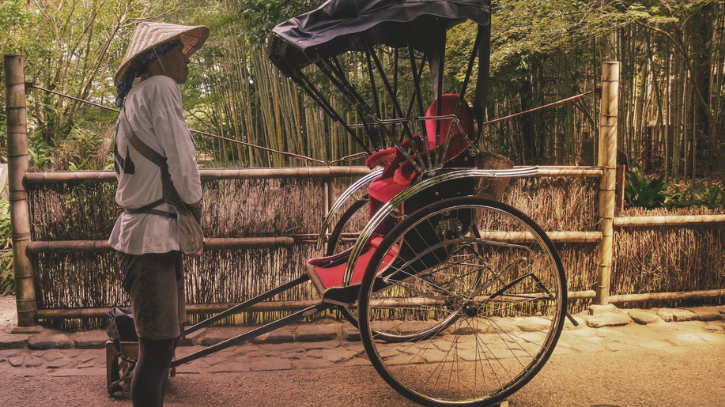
[607,184]
[17,127]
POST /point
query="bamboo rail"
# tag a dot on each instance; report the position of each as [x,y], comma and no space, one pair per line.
[688,295]
[40,178]
[210,244]
[289,241]
[667,220]
[69,313]
[556,237]
[607,183]
[560,171]
[17,128]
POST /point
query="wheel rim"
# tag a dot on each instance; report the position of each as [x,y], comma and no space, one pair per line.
[462,302]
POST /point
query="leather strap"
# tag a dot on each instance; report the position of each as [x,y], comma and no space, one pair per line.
[149,209]
[170,195]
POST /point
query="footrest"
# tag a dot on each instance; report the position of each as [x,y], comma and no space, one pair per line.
[327,273]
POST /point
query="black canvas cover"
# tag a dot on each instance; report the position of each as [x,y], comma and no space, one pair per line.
[339,26]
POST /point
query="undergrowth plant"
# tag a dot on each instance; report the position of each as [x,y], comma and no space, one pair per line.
[641,193]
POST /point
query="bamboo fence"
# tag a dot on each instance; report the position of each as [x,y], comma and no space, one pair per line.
[283,240]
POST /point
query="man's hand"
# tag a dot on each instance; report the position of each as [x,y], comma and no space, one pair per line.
[200,251]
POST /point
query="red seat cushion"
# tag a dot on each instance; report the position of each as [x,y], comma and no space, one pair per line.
[331,273]
[383,190]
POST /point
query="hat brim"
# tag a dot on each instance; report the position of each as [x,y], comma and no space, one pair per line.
[191,37]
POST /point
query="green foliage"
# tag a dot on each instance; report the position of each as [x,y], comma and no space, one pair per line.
[259,17]
[708,196]
[641,193]
[7,273]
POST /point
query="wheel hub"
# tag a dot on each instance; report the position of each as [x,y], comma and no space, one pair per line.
[470,309]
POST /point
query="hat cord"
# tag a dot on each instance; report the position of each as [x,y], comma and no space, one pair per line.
[159,59]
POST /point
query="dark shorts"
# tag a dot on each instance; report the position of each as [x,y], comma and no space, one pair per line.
[155,283]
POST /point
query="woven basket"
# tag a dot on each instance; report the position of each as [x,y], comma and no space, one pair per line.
[489,187]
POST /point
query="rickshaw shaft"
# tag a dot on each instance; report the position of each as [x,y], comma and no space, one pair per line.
[238,340]
[240,307]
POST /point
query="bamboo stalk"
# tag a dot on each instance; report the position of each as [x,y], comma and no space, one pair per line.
[667,220]
[607,185]
[211,244]
[17,137]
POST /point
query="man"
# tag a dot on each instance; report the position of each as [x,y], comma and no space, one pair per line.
[146,236]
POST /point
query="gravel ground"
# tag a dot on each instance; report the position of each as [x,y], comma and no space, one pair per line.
[8,316]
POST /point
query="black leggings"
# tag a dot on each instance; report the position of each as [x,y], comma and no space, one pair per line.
[152,372]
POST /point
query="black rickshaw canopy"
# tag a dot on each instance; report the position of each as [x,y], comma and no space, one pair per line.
[338,27]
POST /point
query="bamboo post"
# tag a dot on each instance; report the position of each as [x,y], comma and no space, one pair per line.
[607,185]
[329,187]
[621,177]
[17,127]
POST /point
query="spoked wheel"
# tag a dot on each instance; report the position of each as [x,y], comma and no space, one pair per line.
[350,314]
[487,308]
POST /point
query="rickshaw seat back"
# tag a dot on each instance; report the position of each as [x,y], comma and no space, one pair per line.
[398,172]
[465,117]
[327,273]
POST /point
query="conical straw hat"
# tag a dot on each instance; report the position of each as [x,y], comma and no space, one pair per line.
[149,35]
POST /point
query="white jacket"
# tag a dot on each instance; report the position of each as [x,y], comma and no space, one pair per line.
[154,111]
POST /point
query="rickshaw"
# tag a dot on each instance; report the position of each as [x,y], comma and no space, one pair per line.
[459,299]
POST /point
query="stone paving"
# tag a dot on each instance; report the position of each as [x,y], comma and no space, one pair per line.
[336,344]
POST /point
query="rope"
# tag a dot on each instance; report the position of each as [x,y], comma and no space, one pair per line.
[351,157]
[300,157]
[542,107]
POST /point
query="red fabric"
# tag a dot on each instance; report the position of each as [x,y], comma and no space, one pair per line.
[406,172]
[382,158]
[450,101]
[383,190]
[332,276]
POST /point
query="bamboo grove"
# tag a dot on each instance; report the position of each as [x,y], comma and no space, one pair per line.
[672,55]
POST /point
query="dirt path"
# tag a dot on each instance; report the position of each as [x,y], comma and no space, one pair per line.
[8,316]
[669,377]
